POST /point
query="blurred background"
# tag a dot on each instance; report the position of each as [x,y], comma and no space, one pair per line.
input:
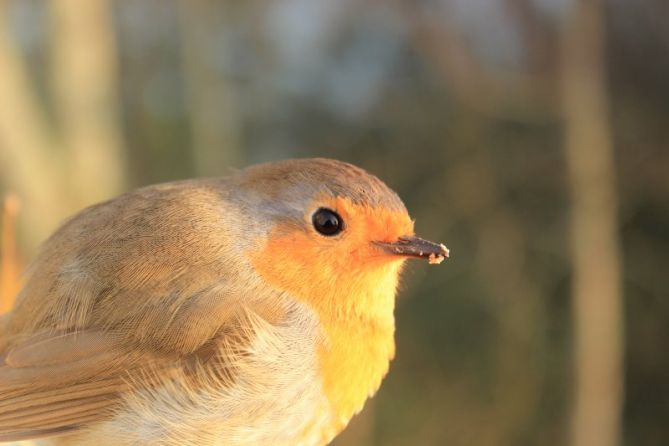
[531,136]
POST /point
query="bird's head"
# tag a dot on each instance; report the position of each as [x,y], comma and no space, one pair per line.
[337,235]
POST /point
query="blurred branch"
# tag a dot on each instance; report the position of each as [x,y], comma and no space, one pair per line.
[27,146]
[55,177]
[84,63]
[213,112]
[595,242]
[10,266]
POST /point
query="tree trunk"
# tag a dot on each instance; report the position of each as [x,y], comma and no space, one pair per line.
[595,244]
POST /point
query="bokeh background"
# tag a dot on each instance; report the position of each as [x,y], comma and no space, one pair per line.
[531,136]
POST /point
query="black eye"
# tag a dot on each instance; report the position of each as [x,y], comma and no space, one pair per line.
[327,222]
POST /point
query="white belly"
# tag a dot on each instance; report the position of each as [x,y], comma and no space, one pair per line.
[274,397]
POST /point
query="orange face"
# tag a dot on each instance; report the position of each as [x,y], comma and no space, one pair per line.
[346,270]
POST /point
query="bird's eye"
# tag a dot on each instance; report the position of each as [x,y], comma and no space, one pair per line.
[327,222]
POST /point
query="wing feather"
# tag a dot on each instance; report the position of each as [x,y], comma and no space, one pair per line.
[64,382]
[26,400]
[60,349]
[48,414]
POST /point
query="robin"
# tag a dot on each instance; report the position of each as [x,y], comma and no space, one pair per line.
[255,309]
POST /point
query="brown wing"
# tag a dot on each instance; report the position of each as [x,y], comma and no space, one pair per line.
[52,384]
[127,287]
[58,384]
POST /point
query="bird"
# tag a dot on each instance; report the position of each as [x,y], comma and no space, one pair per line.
[251,309]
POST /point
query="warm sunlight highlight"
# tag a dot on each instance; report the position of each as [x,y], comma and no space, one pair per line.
[10,266]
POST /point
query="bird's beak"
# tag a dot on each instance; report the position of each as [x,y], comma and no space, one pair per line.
[417,248]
